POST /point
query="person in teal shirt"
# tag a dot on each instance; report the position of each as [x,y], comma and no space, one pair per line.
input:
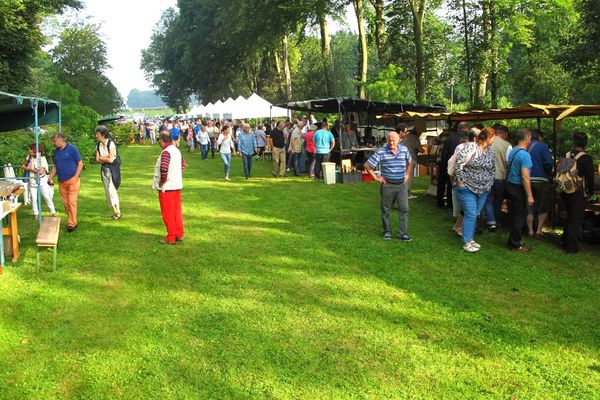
[518,189]
[324,143]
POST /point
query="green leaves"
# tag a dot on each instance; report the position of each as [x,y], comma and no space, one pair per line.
[80,60]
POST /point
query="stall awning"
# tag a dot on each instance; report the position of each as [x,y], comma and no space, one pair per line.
[16,112]
[334,105]
[558,112]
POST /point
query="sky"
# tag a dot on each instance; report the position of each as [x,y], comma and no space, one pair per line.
[126,26]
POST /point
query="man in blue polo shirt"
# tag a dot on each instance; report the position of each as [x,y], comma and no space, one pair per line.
[394,160]
[68,166]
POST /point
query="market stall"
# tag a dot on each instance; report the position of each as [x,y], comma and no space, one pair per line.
[557,113]
[16,113]
[363,114]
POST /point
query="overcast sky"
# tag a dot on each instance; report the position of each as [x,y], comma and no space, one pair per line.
[127,27]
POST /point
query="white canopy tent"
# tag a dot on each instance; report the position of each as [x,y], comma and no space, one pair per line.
[241,108]
[257,107]
[217,110]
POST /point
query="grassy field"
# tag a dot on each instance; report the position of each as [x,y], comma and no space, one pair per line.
[283,289]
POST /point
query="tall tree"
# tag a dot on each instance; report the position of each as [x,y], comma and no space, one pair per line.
[80,61]
[417,7]
[286,69]
[21,37]
[363,49]
[379,6]
[161,63]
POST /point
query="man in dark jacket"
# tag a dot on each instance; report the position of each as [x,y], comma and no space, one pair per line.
[443,183]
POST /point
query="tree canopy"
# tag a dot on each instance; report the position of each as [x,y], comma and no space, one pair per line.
[461,53]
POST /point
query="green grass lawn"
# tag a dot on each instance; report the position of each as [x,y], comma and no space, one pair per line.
[283,289]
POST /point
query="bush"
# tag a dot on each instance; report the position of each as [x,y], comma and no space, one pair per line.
[122,133]
[15,146]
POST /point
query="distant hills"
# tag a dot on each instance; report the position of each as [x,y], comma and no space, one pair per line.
[149,99]
[144,99]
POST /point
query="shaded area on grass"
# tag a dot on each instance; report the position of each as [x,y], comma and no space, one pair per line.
[284,289]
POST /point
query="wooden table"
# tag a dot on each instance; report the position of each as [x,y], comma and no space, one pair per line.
[12,230]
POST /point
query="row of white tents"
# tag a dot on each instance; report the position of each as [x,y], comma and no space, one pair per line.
[240,108]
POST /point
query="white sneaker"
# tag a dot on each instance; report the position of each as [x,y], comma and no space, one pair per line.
[475,244]
[469,248]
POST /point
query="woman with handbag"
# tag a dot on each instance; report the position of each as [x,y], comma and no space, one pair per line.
[106,155]
[475,170]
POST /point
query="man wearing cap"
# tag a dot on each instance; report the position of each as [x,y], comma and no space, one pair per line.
[394,160]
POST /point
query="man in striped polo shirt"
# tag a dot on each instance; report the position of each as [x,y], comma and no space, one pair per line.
[394,160]
[168,181]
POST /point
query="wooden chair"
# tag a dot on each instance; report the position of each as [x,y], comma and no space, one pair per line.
[48,237]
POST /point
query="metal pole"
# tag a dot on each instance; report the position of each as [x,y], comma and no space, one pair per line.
[38,161]
[554,215]
[340,139]
[59,117]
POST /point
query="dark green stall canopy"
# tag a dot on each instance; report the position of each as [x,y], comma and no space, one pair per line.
[18,112]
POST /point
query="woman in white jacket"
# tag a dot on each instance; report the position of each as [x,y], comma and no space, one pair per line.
[34,164]
[225,141]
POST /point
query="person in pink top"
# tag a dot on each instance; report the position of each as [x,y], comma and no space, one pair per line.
[309,140]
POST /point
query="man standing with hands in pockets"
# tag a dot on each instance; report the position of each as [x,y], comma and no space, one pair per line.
[394,160]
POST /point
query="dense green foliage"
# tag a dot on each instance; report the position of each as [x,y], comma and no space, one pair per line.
[73,73]
[283,289]
[80,60]
[478,53]
[21,38]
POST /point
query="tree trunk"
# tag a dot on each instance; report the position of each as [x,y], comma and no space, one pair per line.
[485,59]
[364,56]
[467,52]
[286,69]
[494,70]
[378,5]
[418,11]
[280,79]
[326,54]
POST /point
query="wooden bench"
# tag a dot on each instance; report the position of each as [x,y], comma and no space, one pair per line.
[48,237]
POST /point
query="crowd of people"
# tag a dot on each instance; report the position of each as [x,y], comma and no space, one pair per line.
[298,146]
[478,170]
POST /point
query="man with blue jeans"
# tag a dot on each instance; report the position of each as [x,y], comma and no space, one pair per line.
[394,160]
[247,148]
[518,189]
[324,143]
